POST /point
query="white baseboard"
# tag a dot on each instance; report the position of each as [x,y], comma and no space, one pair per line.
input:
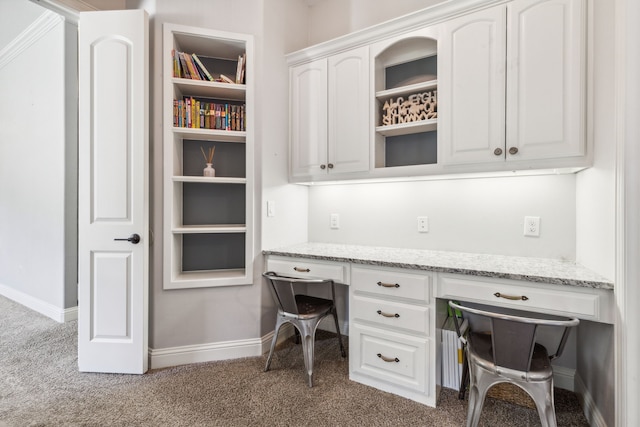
[58,314]
[591,411]
[174,356]
[564,378]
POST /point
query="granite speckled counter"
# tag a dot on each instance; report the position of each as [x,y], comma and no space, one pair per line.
[541,270]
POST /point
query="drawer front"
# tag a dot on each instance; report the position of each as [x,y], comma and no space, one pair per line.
[394,358]
[567,303]
[392,283]
[304,268]
[410,318]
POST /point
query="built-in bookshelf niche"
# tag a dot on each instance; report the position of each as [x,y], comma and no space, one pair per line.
[405,110]
[208,101]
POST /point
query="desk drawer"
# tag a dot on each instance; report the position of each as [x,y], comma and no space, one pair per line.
[391,283]
[411,318]
[538,299]
[393,358]
[304,268]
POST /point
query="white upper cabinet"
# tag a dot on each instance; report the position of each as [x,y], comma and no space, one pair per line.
[472,87]
[348,143]
[308,127]
[330,115]
[512,84]
[546,78]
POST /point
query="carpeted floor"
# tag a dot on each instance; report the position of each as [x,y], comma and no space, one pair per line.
[41,386]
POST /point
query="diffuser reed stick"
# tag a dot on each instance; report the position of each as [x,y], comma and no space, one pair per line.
[208,158]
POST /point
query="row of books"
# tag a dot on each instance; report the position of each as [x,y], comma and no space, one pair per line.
[452,354]
[193,113]
[190,66]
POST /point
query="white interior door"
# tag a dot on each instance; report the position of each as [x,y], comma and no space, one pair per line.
[113,192]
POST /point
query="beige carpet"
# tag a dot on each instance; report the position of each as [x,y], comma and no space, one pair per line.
[41,386]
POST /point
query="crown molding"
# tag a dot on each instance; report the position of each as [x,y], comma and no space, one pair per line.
[68,9]
[38,28]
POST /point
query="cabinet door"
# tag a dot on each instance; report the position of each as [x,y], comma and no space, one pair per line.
[308,118]
[545,79]
[348,103]
[471,85]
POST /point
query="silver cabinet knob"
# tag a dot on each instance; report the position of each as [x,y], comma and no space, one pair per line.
[513,150]
[497,151]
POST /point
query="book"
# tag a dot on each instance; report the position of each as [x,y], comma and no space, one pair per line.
[183,66]
[202,67]
[239,70]
[192,68]
[226,79]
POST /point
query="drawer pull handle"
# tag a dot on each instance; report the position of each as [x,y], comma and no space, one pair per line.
[382,313]
[511,297]
[388,359]
[388,285]
[301,270]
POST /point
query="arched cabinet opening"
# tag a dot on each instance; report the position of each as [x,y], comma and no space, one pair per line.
[405,111]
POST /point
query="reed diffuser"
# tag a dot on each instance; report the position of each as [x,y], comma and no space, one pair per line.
[208,159]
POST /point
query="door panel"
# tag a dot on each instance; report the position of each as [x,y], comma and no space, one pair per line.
[309,118]
[471,85]
[113,190]
[545,79]
[348,98]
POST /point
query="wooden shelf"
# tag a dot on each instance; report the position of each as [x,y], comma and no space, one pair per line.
[208,89]
[211,134]
[407,90]
[211,229]
[408,128]
[210,180]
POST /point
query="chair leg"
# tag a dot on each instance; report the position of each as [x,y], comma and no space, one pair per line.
[478,386]
[542,394]
[335,318]
[279,323]
[307,334]
[464,381]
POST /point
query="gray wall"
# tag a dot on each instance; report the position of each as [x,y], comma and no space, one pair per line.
[38,159]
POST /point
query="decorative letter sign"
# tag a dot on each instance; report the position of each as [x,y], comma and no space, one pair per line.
[419,106]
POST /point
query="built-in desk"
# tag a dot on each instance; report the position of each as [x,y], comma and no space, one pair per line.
[397,301]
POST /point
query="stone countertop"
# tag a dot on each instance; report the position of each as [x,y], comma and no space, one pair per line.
[541,270]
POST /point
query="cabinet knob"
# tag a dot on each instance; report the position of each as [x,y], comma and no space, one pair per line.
[323,167]
[330,165]
[513,150]
[497,151]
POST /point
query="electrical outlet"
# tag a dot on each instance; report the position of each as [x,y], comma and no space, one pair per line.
[335,221]
[532,226]
[423,224]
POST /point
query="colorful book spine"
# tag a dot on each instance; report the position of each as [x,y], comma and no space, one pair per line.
[202,67]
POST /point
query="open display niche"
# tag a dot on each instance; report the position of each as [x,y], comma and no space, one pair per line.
[405,108]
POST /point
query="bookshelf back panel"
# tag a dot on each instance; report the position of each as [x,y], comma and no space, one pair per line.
[228,160]
[413,149]
[207,46]
[423,69]
[201,252]
[210,204]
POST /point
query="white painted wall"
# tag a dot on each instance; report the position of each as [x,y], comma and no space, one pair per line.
[333,18]
[465,215]
[38,166]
